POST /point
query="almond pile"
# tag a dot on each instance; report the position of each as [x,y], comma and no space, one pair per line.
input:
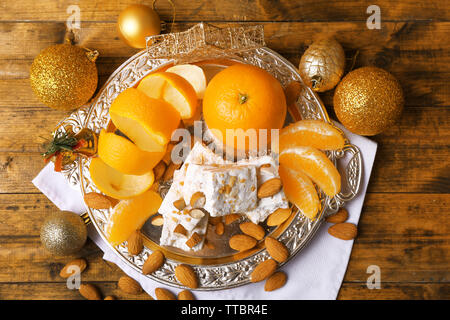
[341,229]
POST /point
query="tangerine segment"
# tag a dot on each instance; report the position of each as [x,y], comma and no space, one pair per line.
[247,99]
[117,184]
[124,156]
[316,165]
[172,88]
[300,190]
[148,122]
[314,133]
[130,215]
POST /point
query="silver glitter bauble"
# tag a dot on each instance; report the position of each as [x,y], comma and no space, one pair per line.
[63,233]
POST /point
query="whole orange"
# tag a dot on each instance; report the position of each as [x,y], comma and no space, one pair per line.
[243,97]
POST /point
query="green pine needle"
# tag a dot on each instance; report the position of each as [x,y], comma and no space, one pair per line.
[61,141]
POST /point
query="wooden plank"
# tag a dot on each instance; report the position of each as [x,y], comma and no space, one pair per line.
[395,291]
[60,291]
[17,170]
[413,155]
[232,10]
[406,235]
[413,52]
[405,39]
[27,129]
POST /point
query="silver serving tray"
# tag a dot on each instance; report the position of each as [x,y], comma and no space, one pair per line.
[234,272]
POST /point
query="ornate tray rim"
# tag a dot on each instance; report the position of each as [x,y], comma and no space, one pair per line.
[218,276]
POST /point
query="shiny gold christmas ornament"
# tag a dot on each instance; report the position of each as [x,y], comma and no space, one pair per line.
[63,233]
[137,22]
[368,100]
[64,76]
[322,65]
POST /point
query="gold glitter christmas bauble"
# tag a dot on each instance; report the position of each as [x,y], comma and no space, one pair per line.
[322,65]
[137,22]
[368,100]
[64,76]
[63,233]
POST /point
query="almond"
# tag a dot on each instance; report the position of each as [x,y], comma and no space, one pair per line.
[339,217]
[72,267]
[344,231]
[196,213]
[270,188]
[129,285]
[232,181]
[198,200]
[186,275]
[155,186]
[275,281]
[168,155]
[168,174]
[89,291]
[242,242]
[276,249]
[185,295]
[157,220]
[159,169]
[220,228]
[253,230]
[135,243]
[164,294]
[194,240]
[230,218]
[180,230]
[179,204]
[263,270]
[96,200]
[110,298]
[153,262]
[278,217]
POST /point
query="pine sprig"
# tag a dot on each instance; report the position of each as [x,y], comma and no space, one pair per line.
[61,141]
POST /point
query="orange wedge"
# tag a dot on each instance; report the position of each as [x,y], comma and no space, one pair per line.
[124,156]
[315,164]
[173,89]
[193,74]
[300,190]
[314,133]
[148,122]
[117,184]
[130,215]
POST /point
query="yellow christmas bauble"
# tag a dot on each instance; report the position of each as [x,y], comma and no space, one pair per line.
[322,65]
[63,233]
[64,76]
[137,22]
[368,100]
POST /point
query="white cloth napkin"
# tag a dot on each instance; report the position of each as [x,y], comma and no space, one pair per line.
[316,272]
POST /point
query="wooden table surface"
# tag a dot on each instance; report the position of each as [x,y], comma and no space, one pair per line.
[403,227]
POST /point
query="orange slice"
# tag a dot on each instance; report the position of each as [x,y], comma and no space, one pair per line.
[316,165]
[300,190]
[148,122]
[130,215]
[314,133]
[193,74]
[173,89]
[117,184]
[124,156]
